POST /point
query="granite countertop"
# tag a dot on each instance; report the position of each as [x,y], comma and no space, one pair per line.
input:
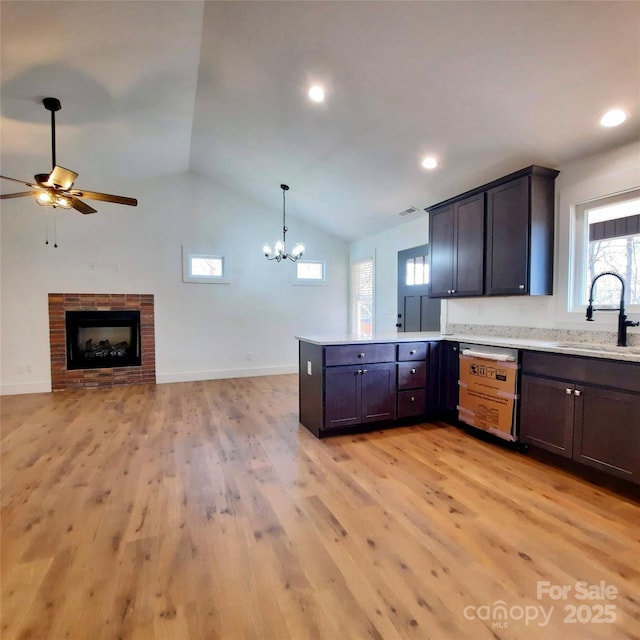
[593,350]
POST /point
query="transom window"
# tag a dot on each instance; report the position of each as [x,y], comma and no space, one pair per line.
[205,267]
[310,272]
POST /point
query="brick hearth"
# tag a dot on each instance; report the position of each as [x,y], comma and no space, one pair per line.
[62,378]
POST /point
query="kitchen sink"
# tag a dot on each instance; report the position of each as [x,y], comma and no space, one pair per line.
[585,346]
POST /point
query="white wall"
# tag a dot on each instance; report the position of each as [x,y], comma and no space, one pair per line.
[202,330]
[384,247]
[592,177]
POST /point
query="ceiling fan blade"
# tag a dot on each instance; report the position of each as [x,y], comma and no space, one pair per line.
[22,194]
[82,207]
[29,184]
[105,197]
[61,177]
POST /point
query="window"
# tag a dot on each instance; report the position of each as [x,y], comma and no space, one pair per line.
[608,240]
[205,267]
[416,271]
[362,297]
[310,272]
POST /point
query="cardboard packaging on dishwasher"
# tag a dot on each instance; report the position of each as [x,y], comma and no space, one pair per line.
[488,391]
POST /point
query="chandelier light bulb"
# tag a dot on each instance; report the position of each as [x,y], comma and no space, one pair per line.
[267,250]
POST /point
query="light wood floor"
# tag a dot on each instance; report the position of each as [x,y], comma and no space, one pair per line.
[205,511]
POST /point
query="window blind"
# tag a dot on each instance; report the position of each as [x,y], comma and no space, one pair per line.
[362,297]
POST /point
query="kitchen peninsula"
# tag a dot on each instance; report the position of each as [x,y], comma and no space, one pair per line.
[580,400]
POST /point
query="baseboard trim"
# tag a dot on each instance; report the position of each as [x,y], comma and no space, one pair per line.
[195,376]
[164,378]
[24,388]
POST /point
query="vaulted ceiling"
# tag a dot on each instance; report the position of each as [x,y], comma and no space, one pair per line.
[153,88]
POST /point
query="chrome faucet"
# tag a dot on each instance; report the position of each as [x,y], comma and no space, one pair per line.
[623,323]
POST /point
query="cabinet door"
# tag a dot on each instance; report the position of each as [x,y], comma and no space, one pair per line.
[342,396]
[607,432]
[508,238]
[450,371]
[546,414]
[378,392]
[469,247]
[441,251]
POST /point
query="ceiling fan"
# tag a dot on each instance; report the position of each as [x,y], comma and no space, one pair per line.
[55,189]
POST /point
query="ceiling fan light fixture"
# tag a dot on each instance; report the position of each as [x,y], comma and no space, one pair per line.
[48,198]
[44,197]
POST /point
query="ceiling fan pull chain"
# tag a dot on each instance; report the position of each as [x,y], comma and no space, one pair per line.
[46,225]
[55,232]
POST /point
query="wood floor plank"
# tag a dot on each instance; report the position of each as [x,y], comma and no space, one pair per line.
[204,511]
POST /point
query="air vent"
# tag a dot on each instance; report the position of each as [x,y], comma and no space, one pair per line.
[409,211]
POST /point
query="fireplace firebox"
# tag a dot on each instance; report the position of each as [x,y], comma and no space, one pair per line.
[102,339]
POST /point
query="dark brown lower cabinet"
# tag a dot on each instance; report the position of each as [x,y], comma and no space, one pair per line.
[546,414]
[359,394]
[593,424]
[607,431]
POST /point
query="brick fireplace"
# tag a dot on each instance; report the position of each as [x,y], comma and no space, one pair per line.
[63,377]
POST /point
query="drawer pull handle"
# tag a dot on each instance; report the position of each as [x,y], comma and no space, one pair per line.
[412,352]
[520,286]
[364,371]
[413,370]
[413,398]
[361,355]
[577,392]
[568,391]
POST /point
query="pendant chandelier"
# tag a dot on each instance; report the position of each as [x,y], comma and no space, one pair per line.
[279,252]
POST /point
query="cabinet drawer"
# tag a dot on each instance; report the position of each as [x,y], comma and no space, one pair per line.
[412,351]
[358,354]
[411,403]
[412,375]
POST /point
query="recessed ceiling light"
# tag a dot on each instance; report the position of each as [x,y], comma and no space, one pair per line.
[316,93]
[613,118]
[429,162]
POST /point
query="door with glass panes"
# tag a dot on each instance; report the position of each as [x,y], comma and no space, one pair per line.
[416,310]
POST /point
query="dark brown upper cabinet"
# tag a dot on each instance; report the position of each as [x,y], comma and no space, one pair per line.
[520,221]
[496,239]
[456,233]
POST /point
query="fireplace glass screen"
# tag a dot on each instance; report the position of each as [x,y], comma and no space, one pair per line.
[102,339]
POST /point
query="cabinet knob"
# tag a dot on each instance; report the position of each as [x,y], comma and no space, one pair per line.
[520,286]
[412,352]
[413,370]
[398,324]
[413,398]
[361,355]
[454,348]
[364,371]
[568,391]
[453,290]
[577,392]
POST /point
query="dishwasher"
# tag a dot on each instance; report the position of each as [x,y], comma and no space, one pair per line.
[488,394]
